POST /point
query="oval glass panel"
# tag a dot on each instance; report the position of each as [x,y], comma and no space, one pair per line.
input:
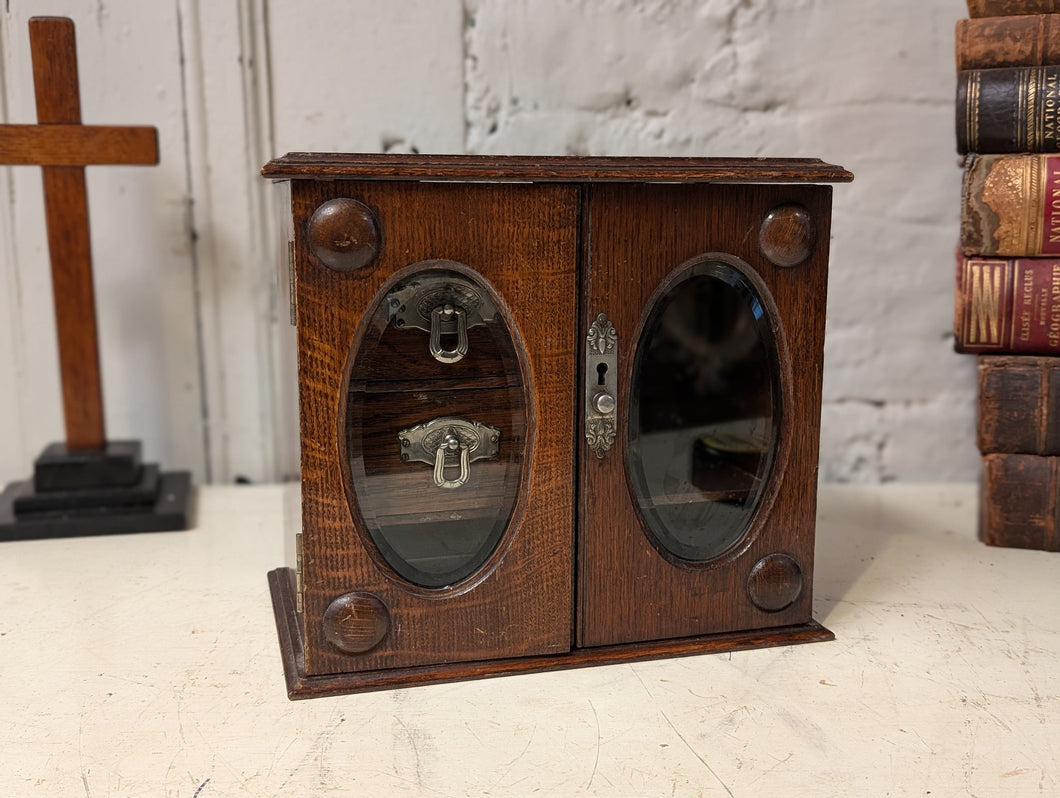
[704,411]
[436,424]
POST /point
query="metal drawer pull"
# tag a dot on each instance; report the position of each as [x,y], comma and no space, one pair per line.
[441,304]
[444,316]
[449,442]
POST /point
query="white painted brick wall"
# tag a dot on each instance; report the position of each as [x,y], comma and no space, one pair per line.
[204,377]
[865,85]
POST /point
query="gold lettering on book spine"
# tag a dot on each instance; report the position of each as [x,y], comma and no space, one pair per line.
[1034,210]
[1028,92]
[1026,108]
[971,108]
[984,302]
[1013,189]
[1050,105]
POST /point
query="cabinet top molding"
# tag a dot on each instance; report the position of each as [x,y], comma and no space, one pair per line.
[555,169]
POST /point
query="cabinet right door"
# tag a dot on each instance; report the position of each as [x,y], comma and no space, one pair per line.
[703,314]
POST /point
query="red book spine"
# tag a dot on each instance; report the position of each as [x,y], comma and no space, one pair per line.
[1007,305]
[1011,206]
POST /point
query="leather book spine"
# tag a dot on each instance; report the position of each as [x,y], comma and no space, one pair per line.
[1011,206]
[1007,305]
[1018,501]
[1019,405]
[1008,110]
[1005,8]
[999,42]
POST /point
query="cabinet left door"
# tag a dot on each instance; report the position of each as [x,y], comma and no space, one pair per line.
[436,390]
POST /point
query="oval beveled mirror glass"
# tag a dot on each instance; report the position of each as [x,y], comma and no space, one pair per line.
[704,410]
[436,425]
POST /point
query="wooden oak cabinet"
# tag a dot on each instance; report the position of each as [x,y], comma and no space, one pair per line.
[554,411]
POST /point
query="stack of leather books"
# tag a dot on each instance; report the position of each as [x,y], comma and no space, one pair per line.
[1007,299]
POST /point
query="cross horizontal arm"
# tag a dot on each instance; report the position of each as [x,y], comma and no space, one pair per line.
[77,145]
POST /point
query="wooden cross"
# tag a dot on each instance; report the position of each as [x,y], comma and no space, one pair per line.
[63,147]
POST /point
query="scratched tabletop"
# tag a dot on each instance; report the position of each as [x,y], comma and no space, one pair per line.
[148,665]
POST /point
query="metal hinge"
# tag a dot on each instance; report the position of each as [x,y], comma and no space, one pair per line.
[298,586]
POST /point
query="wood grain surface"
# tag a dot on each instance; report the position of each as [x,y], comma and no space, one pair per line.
[557,168]
[77,145]
[522,240]
[66,211]
[62,147]
[548,257]
[301,685]
[627,590]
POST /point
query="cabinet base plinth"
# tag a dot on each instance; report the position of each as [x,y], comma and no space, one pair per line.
[299,685]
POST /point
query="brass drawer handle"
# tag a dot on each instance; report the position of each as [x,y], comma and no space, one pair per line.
[446,316]
[449,442]
[443,305]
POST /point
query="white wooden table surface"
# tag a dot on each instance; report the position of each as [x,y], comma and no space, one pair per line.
[147,665]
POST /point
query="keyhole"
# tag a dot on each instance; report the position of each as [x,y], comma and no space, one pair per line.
[601,371]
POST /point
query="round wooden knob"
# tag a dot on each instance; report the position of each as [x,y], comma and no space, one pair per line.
[356,622]
[787,235]
[344,234]
[775,582]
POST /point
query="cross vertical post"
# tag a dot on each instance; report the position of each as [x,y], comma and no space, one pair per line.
[90,485]
[62,146]
[54,54]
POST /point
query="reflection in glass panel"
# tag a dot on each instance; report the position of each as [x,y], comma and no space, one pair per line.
[704,409]
[436,426]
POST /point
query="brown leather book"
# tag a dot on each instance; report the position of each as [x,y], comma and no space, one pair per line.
[1019,501]
[1011,206]
[1004,8]
[997,42]
[1019,405]
[1005,306]
[1008,110]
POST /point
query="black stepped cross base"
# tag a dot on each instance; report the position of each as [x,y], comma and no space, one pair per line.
[105,491]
